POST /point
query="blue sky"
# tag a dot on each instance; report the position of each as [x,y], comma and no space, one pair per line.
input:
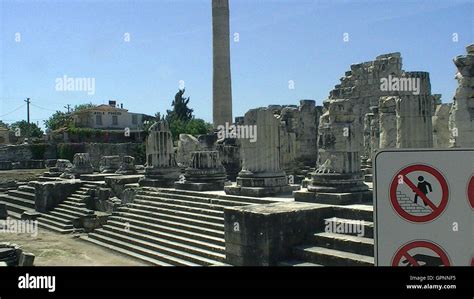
[279,40]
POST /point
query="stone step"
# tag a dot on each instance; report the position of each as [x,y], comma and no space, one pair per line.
[27,203]
[297,263]
[75,208]
[61,219]
[73,203]
[22,194]
[141,257]
[54,226]
[78,197]
[214,245]
[192,201]
[62,215]
[331,257]
[357,212]
[172,256]
[26,188]
[95,184]
[204,197]
[184,208]
[204,249]
[195,204]
[171,217]
[16,208]
[352,224]
[158,223]
[72,213]
[81,192]
[170,211]
[347,243]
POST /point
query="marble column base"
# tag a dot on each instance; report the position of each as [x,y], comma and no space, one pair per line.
[160,177]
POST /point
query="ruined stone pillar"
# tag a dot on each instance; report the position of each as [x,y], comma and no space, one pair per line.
[221,88]
[81,164]
[127,166]
[161,169]
[338,177]
[414,121]
[461,120]
[109,164]
[205,173]
[261,174]
[388,122]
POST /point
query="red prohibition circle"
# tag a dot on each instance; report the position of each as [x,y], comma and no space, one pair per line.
[444,196]
[423,244]
[470,192]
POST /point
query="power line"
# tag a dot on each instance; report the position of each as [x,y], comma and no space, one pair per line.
[16,109]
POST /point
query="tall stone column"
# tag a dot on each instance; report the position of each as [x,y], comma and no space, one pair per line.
[414,121]
[461,120]
[161,169]
[261,173]
[338,177]
[221,81]
[388,122]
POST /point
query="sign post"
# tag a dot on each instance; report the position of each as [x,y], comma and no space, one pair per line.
[424,207]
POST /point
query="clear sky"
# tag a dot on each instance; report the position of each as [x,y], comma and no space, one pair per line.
[170,41]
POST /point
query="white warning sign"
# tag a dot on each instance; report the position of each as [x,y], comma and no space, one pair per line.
[423,207]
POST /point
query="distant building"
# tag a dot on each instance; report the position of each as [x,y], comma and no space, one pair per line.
[109,117]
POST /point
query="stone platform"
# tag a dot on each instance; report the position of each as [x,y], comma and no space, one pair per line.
[333,198]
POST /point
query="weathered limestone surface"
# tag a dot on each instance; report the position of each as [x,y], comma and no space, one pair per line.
[161,169]
[81,164]
[388,122]
[261,174]
[441,132]
[461,120]
[127,166]
[338,177]
[263,235]
[414,121]
[230,155]
[49,194]
[186,145]
[109,164]
[205,173]
[221,85]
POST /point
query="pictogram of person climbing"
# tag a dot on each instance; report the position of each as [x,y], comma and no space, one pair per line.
[423,186]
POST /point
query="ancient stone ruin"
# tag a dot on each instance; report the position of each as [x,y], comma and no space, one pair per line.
[205,173]
[338,179]
[461,118]
[261,174]
[161,169]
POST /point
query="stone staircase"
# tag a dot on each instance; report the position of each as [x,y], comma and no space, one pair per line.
[61,218]
[18,201]
[339,249]
[168,227]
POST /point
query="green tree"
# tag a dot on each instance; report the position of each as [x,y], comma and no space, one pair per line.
[84,106]
[180,111]
[58,120]
[31,130]
[4,125]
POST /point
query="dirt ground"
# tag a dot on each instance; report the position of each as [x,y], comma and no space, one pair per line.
[52,249]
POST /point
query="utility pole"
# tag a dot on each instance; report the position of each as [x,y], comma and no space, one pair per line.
[28,116]
[68,107]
